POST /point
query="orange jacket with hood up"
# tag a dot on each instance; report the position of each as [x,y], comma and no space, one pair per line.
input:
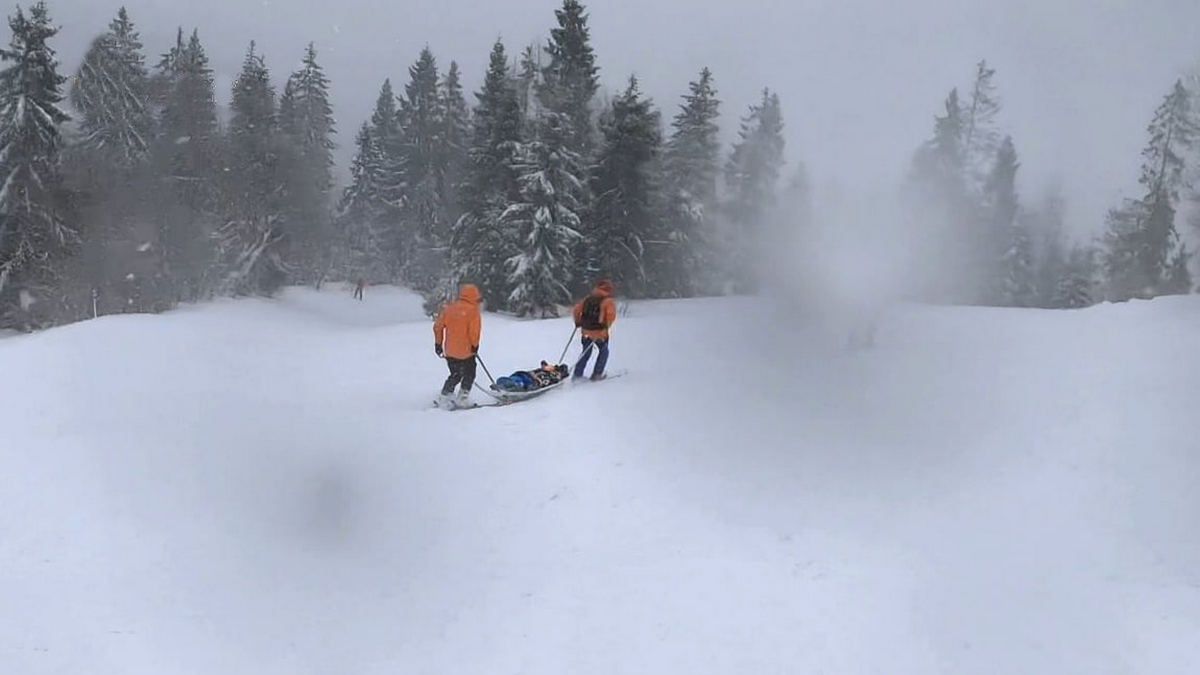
[459,326]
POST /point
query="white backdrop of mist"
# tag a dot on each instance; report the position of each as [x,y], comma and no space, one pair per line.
[838,263]
[860,81]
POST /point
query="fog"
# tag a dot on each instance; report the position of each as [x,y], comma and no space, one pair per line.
[860,81]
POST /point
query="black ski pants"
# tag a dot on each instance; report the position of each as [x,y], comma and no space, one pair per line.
[461,371]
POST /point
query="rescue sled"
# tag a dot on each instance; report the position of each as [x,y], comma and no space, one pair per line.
[505,397]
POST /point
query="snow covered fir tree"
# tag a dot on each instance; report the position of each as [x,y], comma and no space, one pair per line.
[251,240]
[1144,255]
[307,128]
[691,168]
[480,244]
[137,187]
[111,94]
[624,227]
[752,180]
[35,234]
[545,221]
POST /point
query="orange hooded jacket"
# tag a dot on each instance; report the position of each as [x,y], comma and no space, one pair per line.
[608,311]
[459,326]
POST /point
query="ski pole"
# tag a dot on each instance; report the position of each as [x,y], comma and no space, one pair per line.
[485,369]
[568,347]
[587,350]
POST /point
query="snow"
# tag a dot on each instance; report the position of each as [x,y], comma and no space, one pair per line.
[259,487]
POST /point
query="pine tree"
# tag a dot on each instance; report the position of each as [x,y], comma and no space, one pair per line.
[980,139]
[1178,279]
[527,79]
[420,113]
[1076,288]
[569,79]
[111,92]
[385,121]
[251,240]
[252,130]
[626,193]
[33,232]
[1005,256]
[1142,243]
[942,208]
[389,179]
[1018,288]
[162,79]
[479,243]
[690,165]
[456,136]
[185,154]
[189,120]
[362,213]
[120,256]
[385,129]
[424,229]
[450,169]
[454,156]
[306,116]
[306,121]
[752,177]
[940,161]
[545,221]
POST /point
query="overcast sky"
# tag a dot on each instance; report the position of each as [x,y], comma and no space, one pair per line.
[860,80]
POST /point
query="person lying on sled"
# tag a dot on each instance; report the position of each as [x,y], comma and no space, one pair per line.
[531,380]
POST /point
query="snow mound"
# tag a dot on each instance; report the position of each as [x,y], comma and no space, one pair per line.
[260,487]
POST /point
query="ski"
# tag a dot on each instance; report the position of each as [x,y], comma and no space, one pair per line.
[606,378]
[454,407]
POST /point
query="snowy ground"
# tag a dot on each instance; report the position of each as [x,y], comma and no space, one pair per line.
[257,488]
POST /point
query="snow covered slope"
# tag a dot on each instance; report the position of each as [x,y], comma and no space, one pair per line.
[256,487]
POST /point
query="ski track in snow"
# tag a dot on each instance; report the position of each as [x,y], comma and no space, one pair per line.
[260,487]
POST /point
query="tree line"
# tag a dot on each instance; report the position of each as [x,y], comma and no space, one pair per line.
[983,245]
[127,189]
[539,188]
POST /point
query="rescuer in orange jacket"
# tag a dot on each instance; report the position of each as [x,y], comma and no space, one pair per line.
[595,315]
[456,336]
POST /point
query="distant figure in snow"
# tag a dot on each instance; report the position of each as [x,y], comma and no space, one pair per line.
[595,315]
[456,338]
[359,286]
